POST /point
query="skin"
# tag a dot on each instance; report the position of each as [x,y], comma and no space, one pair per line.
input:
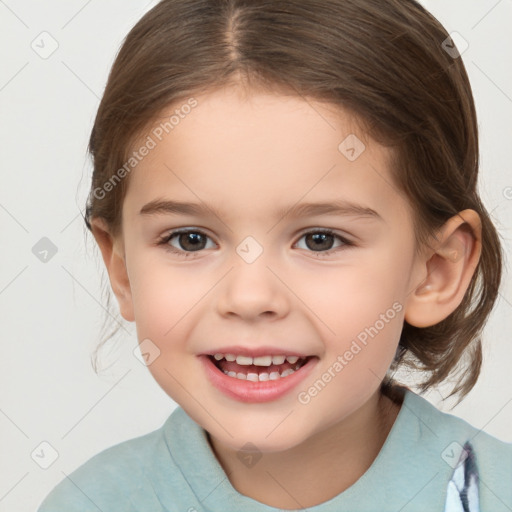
[247,155]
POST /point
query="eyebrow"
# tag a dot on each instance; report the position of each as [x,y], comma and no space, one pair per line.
[340,207]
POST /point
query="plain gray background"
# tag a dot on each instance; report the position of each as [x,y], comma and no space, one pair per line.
[52,311]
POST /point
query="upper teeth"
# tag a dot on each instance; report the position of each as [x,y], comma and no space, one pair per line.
[258,361]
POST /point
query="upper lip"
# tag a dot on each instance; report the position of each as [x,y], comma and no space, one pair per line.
[255,352]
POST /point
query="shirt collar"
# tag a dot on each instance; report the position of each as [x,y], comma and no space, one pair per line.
[408,469]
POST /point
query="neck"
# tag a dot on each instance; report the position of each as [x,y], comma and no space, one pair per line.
[336,458]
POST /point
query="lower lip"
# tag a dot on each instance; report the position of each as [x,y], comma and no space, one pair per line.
[249,391]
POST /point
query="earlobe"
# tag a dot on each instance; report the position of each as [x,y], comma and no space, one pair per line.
[113,257]
[446,271]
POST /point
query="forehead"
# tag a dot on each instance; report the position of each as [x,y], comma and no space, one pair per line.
[238,151]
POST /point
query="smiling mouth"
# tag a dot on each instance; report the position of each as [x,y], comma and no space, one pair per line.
[258,369]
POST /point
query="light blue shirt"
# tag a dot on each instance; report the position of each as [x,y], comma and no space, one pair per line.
[422,466]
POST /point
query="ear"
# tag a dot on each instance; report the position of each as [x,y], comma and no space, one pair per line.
[112,251]
[446,270]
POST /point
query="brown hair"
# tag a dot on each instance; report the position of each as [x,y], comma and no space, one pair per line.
[382,60]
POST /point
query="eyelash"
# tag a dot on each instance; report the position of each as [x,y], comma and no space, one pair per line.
[185,254]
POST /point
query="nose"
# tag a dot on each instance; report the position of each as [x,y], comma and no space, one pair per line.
[253,290]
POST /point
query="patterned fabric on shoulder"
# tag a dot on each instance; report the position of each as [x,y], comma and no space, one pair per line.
[462,492]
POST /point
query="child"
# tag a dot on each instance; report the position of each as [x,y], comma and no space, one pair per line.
[265,129]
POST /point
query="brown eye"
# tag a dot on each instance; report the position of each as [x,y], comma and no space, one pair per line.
[184,243]
[321,242]
[191,241]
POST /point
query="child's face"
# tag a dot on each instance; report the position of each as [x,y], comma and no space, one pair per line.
[251,160]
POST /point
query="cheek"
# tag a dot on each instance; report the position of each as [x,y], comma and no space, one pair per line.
[164,301]
[347,299]
[161,297]
[361,311]
[167,299]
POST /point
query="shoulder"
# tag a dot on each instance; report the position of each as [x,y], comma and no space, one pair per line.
[448,426]
[482,466]
[116,479]
[467,451]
